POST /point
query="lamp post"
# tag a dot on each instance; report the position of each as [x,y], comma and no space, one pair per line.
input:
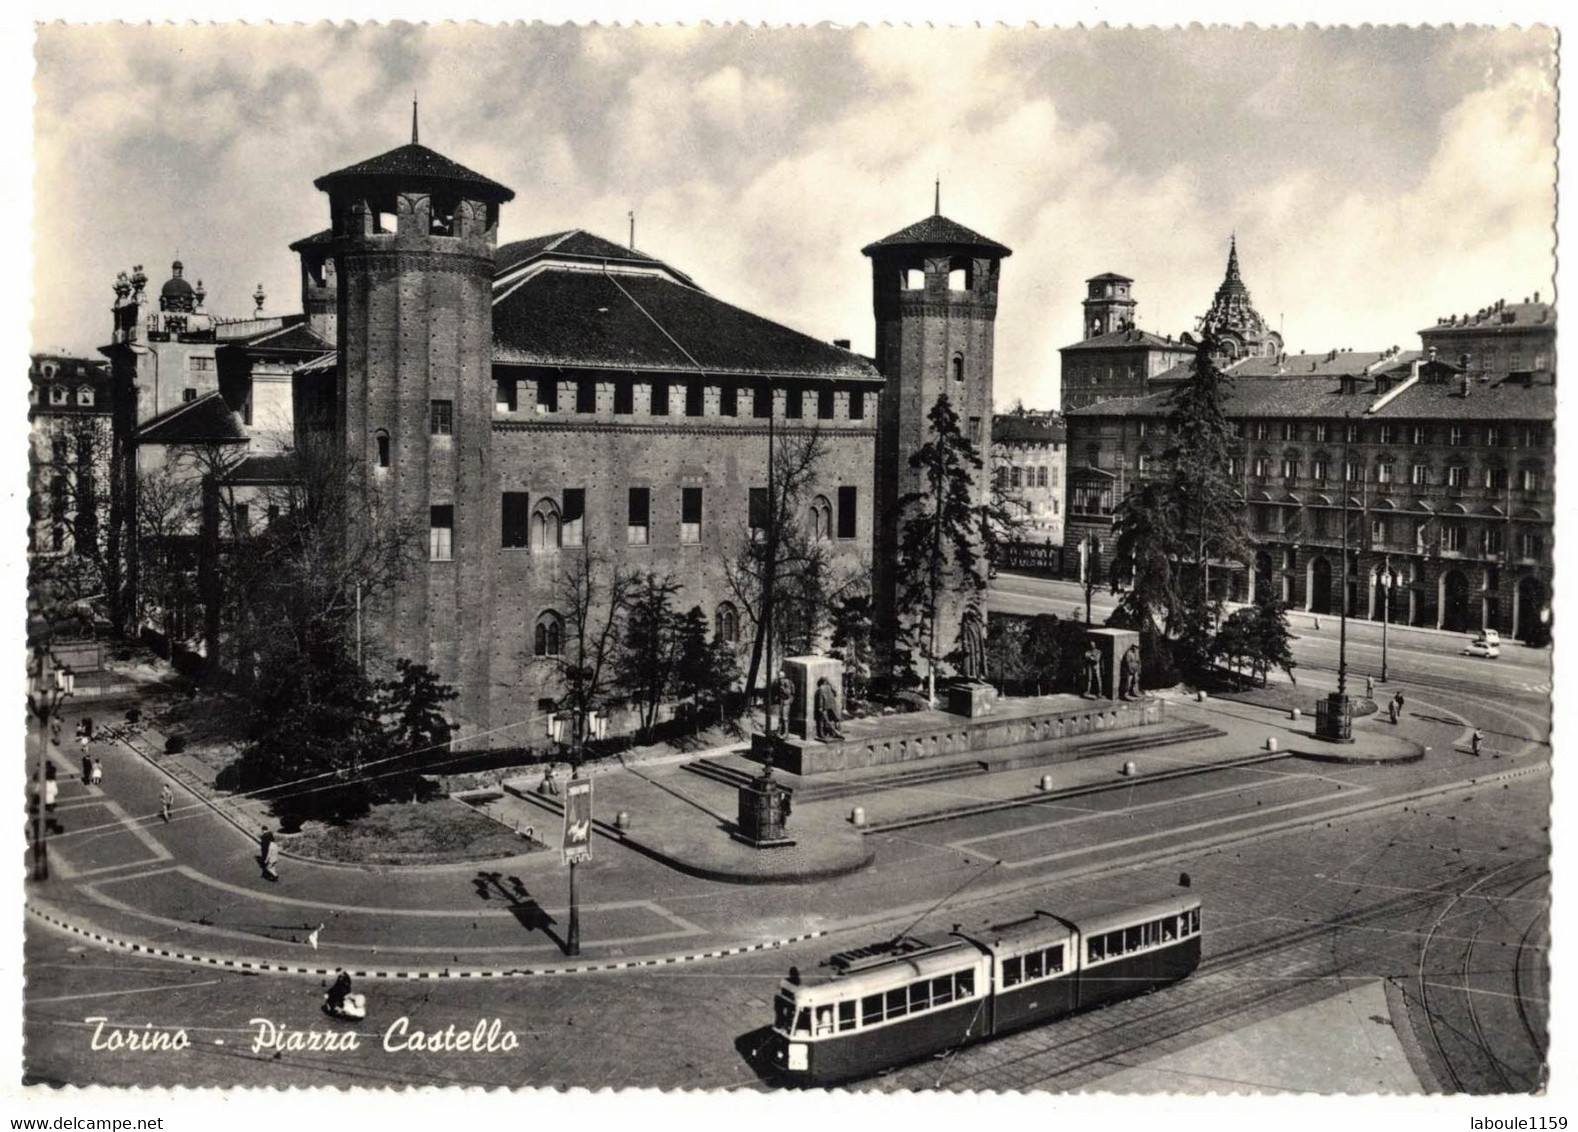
[1386,611]
[47,687]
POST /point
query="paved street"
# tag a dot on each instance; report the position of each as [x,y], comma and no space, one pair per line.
[1320,879]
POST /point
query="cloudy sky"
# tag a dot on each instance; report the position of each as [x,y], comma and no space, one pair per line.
[1376,179]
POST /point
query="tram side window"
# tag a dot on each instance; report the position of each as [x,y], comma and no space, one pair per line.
[846,1016]
[1013,971]
[1055,960]
[1034,968]
[896,1004]
[1170,929]
[1096,949]
[1131,938]
[942,990]
[871,1010]
[1194,919]
[1149,933]
[920,995]
[964,984]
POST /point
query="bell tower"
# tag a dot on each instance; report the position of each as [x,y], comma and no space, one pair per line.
[412,244]
[934,292]
[1109,304]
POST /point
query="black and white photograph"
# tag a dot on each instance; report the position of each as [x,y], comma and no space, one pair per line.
[761,559]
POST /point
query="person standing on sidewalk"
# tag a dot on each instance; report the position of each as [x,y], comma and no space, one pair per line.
[97,776]
[1476,742]
[166,802]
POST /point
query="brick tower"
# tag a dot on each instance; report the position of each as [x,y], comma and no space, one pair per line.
[413,246]
[1109,304]
[934,287]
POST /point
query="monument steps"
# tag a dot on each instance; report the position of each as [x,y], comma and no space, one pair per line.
[921,774]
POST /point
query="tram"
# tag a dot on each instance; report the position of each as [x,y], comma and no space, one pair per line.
[874,1008]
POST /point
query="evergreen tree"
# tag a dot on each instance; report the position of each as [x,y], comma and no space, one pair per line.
[852,642]
[938,547]
[412,708]
[646,665]
[1273,639]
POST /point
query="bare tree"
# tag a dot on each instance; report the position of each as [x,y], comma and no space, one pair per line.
[80,562]
[167,530]
[594,598]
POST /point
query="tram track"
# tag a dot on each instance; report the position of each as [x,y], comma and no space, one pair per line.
[1469,1058]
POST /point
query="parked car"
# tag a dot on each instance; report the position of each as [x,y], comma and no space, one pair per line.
[1489,636]
[1490,650]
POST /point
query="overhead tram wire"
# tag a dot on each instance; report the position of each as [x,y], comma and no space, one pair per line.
[969,880]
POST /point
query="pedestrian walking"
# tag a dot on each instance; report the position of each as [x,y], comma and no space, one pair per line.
[1391,710]
[1369,687]
[51,794]
[1477,742]
[166,802]
[87,769]
[97,775]
[269,858]
[1398,700]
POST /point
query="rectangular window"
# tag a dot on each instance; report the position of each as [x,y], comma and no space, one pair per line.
[975,430]
[624,397]
[1234,466]
[762,402]
[871,1010]
[846,1015]
[1013,971]
[695,398]
[573,516]
[1457,475]
[729,401]
[638,523]
[441,532]
[547,395]
[1490,540]
[200,365]
[1318,470]
[824,404]
[1455,435]
[243,519]
[1289,430]
[1378,532]
[1419,475]
[920,995]
[690,515]
[1260,430]
[942,990]
[504,395]
[1034,966]
[1322,432]
[1262,467]
[1290,469]
[1383,473]
[1142,463]
[1352,472]
[1386,434]
[1041,476]
[857,404]
[441,418]
[848,498]
[188,395]
[964,984]
[794,402]
[757,513]
[1530,545]
[1492,436]
[516,518]
[1452,537]
[585,395]
[895,1003]
[660,398]
[1419,434]
[1055,960]
[1015,476]
[1496,479]
[1529,480]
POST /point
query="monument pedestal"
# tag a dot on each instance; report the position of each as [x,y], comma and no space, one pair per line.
[971,698]
[763,813]
[1111,644]
[805,672]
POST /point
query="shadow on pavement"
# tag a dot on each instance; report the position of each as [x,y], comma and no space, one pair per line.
[754,1049]
[512,890]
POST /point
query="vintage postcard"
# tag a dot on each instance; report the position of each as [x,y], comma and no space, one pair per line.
[765,559]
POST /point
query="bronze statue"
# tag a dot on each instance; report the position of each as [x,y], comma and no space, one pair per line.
[1090,685]
[1129,673]
[826,705]
[972,644]
[785,695]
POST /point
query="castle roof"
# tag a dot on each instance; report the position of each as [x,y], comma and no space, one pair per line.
[324,237]
[653,323]
[939,232]
[1131,338]
[415,162]
[208,419]
[1109,277]
[1011,428]
[577,243]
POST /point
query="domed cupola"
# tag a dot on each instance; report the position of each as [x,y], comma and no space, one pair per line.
[177,293]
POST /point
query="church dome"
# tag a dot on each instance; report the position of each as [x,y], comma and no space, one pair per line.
[177,293]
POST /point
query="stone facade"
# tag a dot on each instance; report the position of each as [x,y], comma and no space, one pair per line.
[1449,486]
[1028,450]
[1115,358]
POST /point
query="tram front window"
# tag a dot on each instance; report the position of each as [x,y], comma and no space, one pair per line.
[783,1013]
[824,1020]
[802,1022]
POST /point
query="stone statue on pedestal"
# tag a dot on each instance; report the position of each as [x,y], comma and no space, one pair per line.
[1090,677]
[972,643]
[827,713]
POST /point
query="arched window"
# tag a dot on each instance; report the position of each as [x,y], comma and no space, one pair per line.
[726,623]
[57,394]
[382,439]
[821,518]
[958,367]
[545,526]
[548,636]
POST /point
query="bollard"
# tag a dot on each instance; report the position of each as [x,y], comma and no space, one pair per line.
[1271,742]
[1295,714]
[622,820]
[1184,880]
[1128,770]
[857,816]
[1199,697]
[1046,782]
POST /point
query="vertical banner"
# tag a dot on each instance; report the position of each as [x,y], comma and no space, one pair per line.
[577,844]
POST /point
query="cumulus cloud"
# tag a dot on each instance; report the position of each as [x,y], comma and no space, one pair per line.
[1376,178]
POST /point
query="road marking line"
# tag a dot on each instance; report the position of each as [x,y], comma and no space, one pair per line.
[115,993]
